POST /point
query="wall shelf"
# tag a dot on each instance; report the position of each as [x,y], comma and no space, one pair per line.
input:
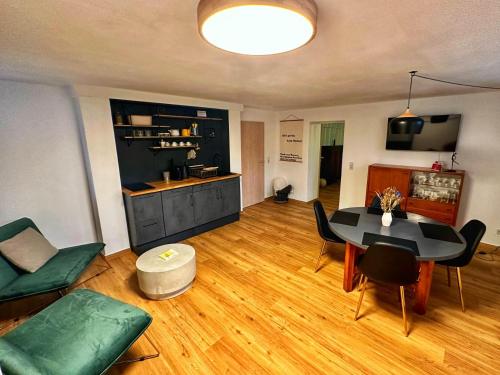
[131,138]
[142,126]
[188,117]
[158,137]
[156,149]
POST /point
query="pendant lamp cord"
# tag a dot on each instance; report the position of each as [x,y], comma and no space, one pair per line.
[414,74]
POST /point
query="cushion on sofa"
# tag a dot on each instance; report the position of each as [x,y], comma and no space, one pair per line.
[84,333]
[28,250]
[8,272]
[59,272]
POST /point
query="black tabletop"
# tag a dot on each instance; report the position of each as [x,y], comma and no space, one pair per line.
[406,229]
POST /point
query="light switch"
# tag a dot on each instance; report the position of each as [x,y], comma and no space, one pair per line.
[351,165]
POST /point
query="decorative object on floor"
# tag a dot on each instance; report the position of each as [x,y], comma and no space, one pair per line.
[407,122]
[84,332]
[402,270]
[324,231]
[390,199]
[281,190]
[166,271]
[473,232]
[257,27]
[59,273]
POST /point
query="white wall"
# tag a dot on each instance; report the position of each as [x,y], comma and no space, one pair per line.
[364,143]
[42,173]
[270,157]
[97,130]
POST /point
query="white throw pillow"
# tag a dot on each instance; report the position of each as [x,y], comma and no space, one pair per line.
[28,250]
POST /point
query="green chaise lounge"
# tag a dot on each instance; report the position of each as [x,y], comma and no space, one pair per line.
[57,274]
[83,333]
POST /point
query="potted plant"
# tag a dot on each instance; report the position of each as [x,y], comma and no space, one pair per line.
[390,198]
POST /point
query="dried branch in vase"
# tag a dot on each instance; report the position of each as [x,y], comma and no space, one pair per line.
[390,198]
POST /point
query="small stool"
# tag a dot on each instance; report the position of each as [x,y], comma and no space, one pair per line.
[167,277]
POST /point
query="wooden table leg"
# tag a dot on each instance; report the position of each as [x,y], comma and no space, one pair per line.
[351,254]
[423,287]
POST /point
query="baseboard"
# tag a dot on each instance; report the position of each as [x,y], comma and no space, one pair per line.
[118,254]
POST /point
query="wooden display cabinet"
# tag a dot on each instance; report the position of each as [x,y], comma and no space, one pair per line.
[428,193]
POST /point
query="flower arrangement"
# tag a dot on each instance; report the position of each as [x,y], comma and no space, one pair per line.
[390,198]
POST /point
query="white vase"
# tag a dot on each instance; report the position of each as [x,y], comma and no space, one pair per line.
[386,219]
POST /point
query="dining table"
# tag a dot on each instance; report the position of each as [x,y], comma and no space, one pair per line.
[429,239]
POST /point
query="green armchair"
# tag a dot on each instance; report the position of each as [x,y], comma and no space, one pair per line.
[57,274]
[83,333]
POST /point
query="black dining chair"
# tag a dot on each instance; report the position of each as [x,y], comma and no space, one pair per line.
[324,230]
[389,264]
[473,232]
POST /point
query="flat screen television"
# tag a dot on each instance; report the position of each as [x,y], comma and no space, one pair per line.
[439,133]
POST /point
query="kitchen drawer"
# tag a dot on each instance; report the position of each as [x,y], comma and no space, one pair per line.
[146,207]
[149,230]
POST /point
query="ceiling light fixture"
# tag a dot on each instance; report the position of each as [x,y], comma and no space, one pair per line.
[257,27]
[407,122]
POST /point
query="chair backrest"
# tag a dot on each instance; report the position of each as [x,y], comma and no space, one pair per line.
[376,204]
[8,272]
[389,264]
[473,232]
[322,222]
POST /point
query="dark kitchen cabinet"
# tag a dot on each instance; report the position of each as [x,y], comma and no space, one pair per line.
[178,210]
[207,202]
[145,215]
[231,199]
[176,214]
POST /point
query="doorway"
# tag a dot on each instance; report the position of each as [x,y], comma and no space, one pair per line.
[330,163]
[252,162]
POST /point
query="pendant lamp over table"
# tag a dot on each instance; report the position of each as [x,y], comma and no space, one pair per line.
[407,122]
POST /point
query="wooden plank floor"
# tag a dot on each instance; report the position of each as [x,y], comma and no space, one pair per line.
[257,307]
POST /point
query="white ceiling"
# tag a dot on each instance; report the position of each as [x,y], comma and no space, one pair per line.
[362,52]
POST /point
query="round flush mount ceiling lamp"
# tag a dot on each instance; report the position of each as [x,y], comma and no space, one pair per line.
[257,27]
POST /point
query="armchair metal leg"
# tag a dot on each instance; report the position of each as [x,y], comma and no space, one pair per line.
[460,291]
[448,274]
[323,248]
[365,280]
[143,357]
[403,308]
[104,269]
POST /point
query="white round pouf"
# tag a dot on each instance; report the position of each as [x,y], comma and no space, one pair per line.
[166,278]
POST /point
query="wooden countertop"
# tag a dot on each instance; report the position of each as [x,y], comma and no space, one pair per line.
[191,181]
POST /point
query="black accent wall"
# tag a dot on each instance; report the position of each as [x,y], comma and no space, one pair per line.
[138,164]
